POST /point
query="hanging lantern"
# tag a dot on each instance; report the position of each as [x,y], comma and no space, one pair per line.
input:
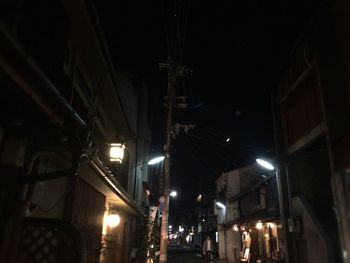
[116,152]
[113,220]
[259,225]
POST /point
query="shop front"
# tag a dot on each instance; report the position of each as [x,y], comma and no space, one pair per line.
[261,242]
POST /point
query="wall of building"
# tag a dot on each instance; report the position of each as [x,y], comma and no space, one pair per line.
[311,239]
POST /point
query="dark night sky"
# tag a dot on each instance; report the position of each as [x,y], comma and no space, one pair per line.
[237,51]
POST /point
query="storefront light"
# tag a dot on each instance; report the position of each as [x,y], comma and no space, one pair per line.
[259,225]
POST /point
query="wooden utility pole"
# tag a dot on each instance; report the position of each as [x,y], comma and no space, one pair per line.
[166,174]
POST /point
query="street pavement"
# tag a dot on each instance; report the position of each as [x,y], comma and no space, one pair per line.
[186,254]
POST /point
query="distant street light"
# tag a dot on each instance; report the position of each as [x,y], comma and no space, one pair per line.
[221,205]
[173,193]
[265,164]
[155,160]
[284,200]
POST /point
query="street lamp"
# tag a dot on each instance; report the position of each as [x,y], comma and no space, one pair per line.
[156,160]
[173,194]
[265,164]
[285,206]
[221,205]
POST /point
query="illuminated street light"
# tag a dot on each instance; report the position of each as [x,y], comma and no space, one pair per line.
[155,160]
[173,193]
[220,205]
[259,226]
[265,164]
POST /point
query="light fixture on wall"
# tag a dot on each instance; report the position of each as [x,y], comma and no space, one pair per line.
[113,219]
[116,152]
[259,225]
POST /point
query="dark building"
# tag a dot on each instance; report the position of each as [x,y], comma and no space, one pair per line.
[312,128]
[62,108]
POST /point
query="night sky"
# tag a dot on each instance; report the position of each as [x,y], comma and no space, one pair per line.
[238,51]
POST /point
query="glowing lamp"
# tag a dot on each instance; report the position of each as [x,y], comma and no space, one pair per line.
[156,160]
[259,225]
[116,152]
[265,164]
[235,228]
[220,205]
[113,220]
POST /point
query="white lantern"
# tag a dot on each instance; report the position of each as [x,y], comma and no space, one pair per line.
[116,152]
[259,225]
[113,220]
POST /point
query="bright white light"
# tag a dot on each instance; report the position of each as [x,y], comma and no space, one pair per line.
[181,229]
[220,205]
[265,164]
[173,193]
[113,220]
[259,225]
[170,226]
[156,160]
[235,228]
[116,152]
[228,139]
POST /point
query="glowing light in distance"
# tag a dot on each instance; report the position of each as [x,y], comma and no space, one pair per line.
[173,193]
[235,228]
[265,164]
[156,160]
[259,225]
[220,205]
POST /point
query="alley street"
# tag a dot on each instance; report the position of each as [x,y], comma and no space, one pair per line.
[185,254]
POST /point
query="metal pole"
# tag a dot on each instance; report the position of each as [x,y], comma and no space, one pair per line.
[165,212]
[283,188]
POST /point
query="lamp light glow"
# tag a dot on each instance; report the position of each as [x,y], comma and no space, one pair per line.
[113,220]
[220,205]
[259,225]
[156,160]
[235,228]
[116,152]
[265,164]
[173,193]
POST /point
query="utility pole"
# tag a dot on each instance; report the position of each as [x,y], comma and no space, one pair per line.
[166,176]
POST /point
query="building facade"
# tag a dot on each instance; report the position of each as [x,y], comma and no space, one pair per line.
[311,105]
[249,223]
[63,105]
